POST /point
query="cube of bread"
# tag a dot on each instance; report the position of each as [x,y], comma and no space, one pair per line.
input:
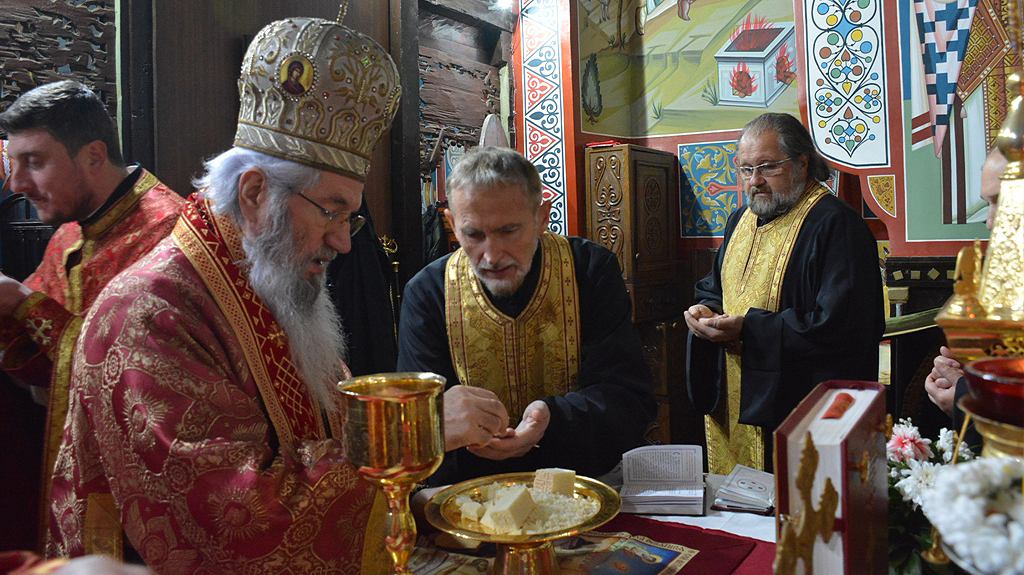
[468,508]
[509,510]
[555,480]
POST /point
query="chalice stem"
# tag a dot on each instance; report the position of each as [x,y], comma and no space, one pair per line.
[401,527]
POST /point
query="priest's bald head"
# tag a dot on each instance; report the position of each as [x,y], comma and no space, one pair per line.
[776,162]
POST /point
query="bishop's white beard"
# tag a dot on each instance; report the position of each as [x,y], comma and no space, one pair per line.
[302,308]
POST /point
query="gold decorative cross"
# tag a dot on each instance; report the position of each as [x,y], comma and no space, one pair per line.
[801,530]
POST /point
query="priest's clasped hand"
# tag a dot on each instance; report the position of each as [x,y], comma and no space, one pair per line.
[712,326]
[475,418]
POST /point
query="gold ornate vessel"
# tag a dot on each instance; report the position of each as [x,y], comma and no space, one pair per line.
[528,554]
[985,317]
[395,439]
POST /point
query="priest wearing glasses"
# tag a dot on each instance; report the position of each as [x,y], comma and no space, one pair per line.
[794,297]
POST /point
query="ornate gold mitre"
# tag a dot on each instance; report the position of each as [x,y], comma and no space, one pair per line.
[985,316]
[316,93]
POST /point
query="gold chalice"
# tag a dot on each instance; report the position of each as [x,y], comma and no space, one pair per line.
[394,437]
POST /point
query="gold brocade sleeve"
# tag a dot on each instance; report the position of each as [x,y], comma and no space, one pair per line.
[753,268]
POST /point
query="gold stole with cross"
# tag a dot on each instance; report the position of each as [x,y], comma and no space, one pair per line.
[520,359]
[753,268]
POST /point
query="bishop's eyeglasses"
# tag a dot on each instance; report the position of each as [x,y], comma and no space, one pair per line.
[766,169]
[355,221]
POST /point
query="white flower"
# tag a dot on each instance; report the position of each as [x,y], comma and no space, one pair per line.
[918,477]
[977,508]
[944,446]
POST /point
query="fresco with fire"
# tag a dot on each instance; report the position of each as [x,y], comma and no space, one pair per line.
[906,96]
[662,67]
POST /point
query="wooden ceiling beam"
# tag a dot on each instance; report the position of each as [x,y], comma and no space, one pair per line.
[475,12]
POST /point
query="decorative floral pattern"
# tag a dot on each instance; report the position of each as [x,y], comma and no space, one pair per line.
[539,27]
[846,81]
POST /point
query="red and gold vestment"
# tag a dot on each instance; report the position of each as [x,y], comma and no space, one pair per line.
[79,260]
[189,427]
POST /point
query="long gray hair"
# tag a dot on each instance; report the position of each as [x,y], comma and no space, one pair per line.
[793,138]
[220,181]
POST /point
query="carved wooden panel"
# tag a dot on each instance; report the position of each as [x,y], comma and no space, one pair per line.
[653,240]
[42,41]
[664,347]
[632,209]
[605,200]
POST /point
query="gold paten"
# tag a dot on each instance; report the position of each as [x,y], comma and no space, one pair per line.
[798,532]
[530,554]
[395,439]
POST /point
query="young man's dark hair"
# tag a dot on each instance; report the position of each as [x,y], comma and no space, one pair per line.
[70,112]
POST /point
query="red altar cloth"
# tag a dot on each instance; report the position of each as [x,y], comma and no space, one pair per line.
[626,545]
[718,552]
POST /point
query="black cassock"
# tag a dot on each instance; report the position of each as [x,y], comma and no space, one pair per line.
[590,428]
[361,284]
[829,324]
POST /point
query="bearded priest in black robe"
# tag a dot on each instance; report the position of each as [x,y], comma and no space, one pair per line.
[794,297]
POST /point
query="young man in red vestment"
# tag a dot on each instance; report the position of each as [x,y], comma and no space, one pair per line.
[204,428]
[66,160]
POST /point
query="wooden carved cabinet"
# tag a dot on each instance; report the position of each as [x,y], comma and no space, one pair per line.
[633,210]
[632,206]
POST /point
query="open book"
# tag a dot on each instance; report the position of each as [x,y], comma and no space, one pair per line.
[747,490]
[663,479]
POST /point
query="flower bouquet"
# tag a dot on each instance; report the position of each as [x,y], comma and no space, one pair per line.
[978,509]
[913,465]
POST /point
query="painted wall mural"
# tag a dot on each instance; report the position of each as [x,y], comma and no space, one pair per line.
[709,191]
[956,60]
[906,95]
[846,82]
[670,67]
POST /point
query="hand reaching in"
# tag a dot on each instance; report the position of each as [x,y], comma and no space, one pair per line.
[12,293]
[941,382]
[472,416]
[519,441]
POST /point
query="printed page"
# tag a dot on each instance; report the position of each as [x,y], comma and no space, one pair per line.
[656,465]
[662,490]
